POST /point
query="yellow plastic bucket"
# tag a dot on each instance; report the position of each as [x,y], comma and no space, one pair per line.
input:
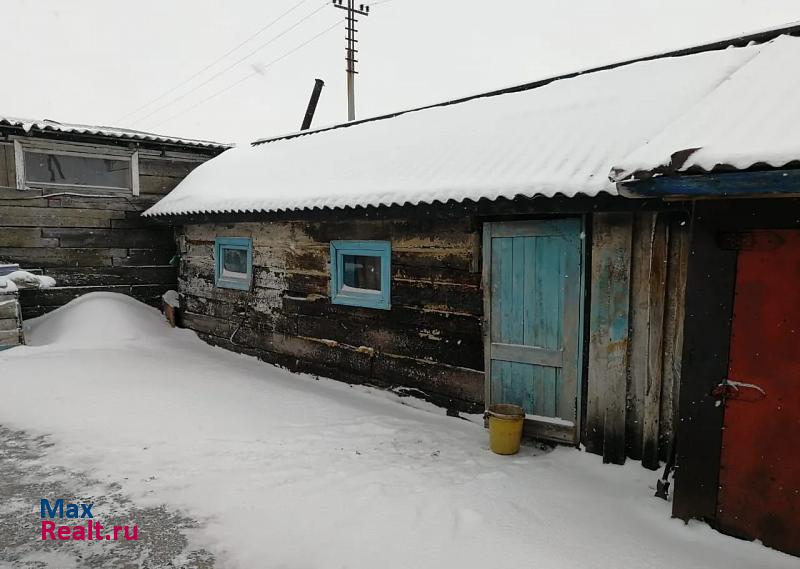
[505,428]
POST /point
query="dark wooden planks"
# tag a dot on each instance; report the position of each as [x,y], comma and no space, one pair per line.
[150,238]
[159,177]
[677,264]
[37,302]
[658,257]
[657,281]
[91,242]
[641,265]
[437,307]
[609,338]
[107,276]
[430,340]
[8,176]
[20,216]
[709,308]
[24,237]
[648,297]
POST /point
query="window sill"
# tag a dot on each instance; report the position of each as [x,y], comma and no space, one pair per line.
[363,301]
[236,284]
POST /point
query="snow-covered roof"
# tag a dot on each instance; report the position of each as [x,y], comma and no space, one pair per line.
[44,125]
[751,118]
[562,137]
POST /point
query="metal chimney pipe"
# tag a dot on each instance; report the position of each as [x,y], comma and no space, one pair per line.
[312,104]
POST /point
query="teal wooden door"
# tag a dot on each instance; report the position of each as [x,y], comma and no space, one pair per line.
[533,277]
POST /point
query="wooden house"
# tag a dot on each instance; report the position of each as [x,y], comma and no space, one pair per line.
[519,246]
[70,199]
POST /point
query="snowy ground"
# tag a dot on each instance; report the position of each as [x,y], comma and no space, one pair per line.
[281,470]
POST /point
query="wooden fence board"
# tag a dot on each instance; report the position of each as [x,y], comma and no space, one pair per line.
[655,342]
[673,332]
[609,337]
[642,256]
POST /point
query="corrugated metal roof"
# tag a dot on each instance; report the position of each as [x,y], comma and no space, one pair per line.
[559,138]
[752,118]
[44,125]
[750,38]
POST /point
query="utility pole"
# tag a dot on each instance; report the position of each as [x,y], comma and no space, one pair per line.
[351,51]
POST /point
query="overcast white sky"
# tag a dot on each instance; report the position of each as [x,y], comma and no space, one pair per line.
[97,61]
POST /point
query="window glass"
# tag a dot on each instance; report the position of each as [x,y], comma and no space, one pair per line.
[47,168]
[362,272]
[234,262]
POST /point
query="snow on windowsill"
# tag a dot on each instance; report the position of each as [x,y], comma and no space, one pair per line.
[346,289]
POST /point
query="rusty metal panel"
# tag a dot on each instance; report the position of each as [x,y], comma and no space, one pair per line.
[759,493]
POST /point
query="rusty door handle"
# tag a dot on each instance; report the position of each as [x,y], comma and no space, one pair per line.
[740,391]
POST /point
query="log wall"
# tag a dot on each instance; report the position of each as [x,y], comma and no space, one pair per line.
[92,243]
[429,341]
[431,338]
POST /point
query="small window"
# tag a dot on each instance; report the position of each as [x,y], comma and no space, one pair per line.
[49,165]
[233,262]
[54,169]
[361,273]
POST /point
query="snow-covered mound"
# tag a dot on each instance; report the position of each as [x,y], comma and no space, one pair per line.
[97,319]
[24,279]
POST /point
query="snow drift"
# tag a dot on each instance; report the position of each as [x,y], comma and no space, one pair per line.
[95,320]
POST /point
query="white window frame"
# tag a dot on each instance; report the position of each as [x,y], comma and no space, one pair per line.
[22,145]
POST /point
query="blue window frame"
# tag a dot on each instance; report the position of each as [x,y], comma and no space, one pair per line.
[361,273]
[233,262]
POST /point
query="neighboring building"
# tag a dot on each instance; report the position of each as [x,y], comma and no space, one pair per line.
[477,252]
[70,199]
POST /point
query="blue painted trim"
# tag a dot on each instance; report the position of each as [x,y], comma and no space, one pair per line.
[720,185]
[239,243]
[382,249]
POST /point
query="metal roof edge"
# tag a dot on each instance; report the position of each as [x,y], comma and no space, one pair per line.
[117,133]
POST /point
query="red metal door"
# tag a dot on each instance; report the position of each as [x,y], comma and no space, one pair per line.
[759,493]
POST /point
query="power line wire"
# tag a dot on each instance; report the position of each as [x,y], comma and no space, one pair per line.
[250,75]
[231,66]
[213,63]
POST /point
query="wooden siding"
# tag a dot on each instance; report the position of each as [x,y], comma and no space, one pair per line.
[91,243]
[11,333]
[430,341]
[637,294]
[431,338]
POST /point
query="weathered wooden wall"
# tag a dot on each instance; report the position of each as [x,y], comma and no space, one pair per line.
[430,340]
[91,243]
[637,296]
[11,332]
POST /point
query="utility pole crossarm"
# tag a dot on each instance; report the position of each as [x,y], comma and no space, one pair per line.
[350,50]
